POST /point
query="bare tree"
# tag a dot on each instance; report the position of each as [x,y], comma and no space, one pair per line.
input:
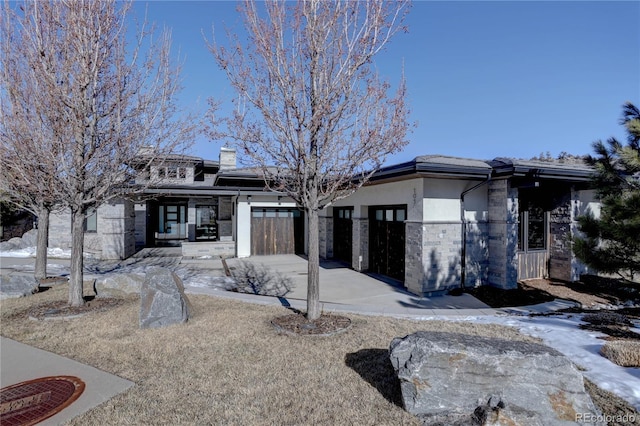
[106,103]
[312,112]
[26,131]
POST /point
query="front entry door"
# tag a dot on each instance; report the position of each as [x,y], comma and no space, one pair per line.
[172,222]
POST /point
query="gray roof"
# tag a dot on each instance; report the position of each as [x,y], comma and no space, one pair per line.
[544,169]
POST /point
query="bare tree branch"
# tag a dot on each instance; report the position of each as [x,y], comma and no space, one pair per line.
[312,112]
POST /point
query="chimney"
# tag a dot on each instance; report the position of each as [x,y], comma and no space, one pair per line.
[227,158]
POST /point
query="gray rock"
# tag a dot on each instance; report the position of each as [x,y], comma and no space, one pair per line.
[17,285]
[30,238]
[7,245]
[162,300]
[118,285]
[16,243]
[457,379]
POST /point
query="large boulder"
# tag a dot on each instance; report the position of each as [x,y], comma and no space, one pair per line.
[162,299]
[30,238]
[14,243]
[458,379]
[118,284]
[8,245]
[17,285]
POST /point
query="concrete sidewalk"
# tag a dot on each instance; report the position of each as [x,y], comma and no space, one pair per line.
[20,362]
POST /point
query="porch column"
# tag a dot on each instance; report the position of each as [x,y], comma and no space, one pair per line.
[360,244]
[503,234]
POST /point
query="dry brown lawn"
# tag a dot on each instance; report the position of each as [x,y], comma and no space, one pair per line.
[625,353]
[228,365]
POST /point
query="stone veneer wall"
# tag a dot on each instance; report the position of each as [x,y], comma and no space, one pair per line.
[441,250]
[503,234]
[225,222]
[560,252]
[115,237]
[433,256]
[477,266]
[360,244]
[414,269]
[325,226]
[116,224]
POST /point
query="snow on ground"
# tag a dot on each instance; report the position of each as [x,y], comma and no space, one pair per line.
[53,252]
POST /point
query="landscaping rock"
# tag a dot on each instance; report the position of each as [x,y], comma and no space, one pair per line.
[7,245]
[17,285]
[162,300]
[457,379]
[30,238]
[14,243]
[118,285]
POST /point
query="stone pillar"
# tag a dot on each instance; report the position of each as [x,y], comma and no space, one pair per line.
[414,266]
[503,234]
[116,225]
[360,244]
[560,252]
[325,225]
[225,222]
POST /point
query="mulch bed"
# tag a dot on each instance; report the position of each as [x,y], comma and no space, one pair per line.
[299,325]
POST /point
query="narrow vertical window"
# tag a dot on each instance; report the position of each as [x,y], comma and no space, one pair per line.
[91,221]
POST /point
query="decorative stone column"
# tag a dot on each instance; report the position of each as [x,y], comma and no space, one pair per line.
[360,244]
[503,234]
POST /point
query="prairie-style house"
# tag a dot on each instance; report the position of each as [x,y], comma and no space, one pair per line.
[434,223]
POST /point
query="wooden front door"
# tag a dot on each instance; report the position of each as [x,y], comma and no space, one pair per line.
[387,240]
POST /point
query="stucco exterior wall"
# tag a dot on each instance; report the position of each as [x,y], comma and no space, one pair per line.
[243,218]
[582,202]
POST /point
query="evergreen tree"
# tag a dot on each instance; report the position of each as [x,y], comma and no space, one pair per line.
[611,243]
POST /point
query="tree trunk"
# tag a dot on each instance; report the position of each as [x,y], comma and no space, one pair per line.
[42,243]
[313,279]
[77,262]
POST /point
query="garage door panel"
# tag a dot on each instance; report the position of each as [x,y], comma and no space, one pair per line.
[387,240]
[274,231]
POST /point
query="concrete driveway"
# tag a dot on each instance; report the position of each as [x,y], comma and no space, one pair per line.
[340,285]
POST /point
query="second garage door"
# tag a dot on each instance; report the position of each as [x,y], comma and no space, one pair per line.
[387,240]
[276,231]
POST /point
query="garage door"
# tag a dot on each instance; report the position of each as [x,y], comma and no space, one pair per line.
[342,233]
[387,240]
[276,231]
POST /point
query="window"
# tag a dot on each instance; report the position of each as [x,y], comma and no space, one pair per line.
[172,172]
[343,212]
[532,232]
[206,225]
[91,221]
[391,214]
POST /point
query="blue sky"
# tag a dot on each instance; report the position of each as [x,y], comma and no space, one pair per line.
[485,78]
